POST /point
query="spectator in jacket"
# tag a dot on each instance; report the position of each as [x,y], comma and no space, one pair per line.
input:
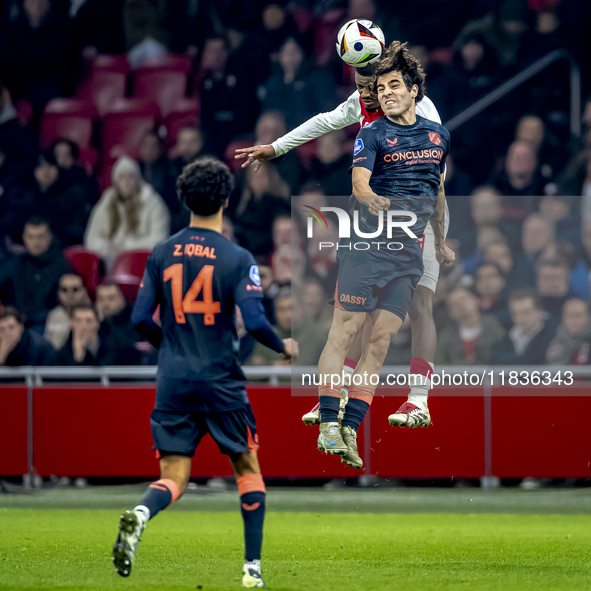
[65,205]
[580,275]
[537,234]
[71,292]
[553,285]
[89,345]
[16,142]
[297,89]
[533,330]
[264,197]
[491,286]
[188,147]
[114,310]
[331,164]
[38,57]
[470,339]
[155,169]
[521,176]
[67,156]
[130,215]
[30,281]
[12,208]
[19,346]
[570,346]
[269,127]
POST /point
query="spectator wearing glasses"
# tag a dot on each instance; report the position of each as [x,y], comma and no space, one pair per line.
[19,346]
[71,292]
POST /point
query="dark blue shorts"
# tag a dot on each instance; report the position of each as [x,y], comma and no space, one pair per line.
[377,279]
[179,433]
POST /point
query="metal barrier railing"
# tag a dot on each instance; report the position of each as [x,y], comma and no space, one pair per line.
[518,80]
[488,374]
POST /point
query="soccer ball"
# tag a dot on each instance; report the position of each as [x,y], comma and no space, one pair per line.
[360,42]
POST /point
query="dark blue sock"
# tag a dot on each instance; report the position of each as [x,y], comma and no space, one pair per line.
[354,413]
[329,409]
[158,496]
[252,505]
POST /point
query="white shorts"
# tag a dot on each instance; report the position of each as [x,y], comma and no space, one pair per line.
[430,264]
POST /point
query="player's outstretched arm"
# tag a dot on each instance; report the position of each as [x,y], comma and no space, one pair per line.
[363,193]
[345,114]
[256,154]
[444,254]
[256,323]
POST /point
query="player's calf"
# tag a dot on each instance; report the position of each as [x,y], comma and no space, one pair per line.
[312,417]
[157,497]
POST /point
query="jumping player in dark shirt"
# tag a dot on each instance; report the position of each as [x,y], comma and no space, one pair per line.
[398,165]
[197,277]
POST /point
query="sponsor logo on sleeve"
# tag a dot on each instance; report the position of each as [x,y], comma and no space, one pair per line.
[358,146]
[254,275]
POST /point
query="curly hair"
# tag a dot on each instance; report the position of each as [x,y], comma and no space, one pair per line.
[204,185]
[398,58]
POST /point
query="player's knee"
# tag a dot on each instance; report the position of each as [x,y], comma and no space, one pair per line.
[245,463]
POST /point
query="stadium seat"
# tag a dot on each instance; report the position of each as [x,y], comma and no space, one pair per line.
[105,80]
[67,118]
[184,113]
[86,264]
[128,271]
[124,126]
[165,82]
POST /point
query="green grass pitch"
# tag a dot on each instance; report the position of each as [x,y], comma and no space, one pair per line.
[70,549]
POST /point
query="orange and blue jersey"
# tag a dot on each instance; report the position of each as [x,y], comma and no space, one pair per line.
[197,277]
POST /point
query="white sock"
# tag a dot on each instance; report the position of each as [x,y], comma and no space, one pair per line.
[252,564]
[144,512]
[419,389]
[347,374]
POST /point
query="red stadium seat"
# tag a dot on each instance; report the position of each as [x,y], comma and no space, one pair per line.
[184,113]
[165,82]
[105,80]
[86,264]
[128,271]
[67,118]
[124,126]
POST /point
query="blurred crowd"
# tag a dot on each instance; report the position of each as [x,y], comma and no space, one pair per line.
[518,292]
